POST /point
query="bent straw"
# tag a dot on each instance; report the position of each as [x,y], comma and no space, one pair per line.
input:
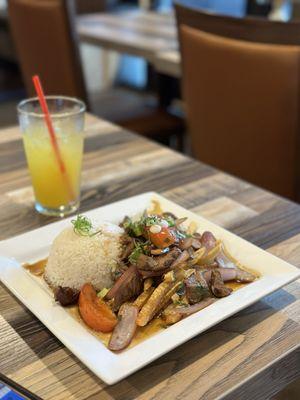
[48,121]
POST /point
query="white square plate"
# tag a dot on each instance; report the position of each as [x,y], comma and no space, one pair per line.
[112,367]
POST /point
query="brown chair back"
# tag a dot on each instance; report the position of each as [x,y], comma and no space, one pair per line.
[251,29]
[242,103]
[47,45]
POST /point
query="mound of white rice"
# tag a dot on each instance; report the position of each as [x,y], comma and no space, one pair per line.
[75,260]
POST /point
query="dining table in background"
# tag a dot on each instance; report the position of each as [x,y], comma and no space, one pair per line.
[152,34]
[148,34]
[139,33]
[253,354]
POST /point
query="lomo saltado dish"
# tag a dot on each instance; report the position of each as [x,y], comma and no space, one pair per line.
[123,278]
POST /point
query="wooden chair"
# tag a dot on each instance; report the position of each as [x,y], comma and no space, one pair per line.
[242,96]
[259,30]
[46,44]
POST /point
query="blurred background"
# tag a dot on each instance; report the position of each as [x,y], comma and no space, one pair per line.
[127,61]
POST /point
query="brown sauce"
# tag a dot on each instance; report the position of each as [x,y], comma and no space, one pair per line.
[37,268]
[235,285]
[142,333]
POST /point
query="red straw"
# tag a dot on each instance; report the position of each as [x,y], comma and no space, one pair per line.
[44,107]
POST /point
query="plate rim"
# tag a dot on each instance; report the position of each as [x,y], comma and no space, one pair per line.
[106,374]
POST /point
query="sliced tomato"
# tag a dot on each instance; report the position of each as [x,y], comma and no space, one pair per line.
[165,238]
[94,311]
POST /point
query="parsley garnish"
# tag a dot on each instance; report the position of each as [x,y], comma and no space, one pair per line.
[169,220]
[83,226]
[140,248]
[132,228]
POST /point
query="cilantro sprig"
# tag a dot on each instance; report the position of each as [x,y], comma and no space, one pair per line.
[137,228]
[83,226]
[140,248]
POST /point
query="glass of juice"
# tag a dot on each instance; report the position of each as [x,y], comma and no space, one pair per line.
[56,184]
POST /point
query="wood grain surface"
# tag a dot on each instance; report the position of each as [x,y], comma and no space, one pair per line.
[251,355]
[141,33]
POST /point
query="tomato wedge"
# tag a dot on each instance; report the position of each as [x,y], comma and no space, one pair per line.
[165,238]
[94,311]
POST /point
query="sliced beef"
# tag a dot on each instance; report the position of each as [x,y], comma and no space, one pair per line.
[66,296]
[167,260]
[159,252]
[182,258]
[127,286]
[147,263]
[128,246]
[186,243]
[189,242]
[217,286]
[149,274]
[196,288]
[196,244]
[227,274]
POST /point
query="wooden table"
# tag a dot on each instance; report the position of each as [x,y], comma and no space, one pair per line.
[250,355]
[140,33]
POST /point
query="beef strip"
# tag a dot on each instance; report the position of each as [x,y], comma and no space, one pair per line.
[196,244]
[149,274]
[128,246]
[189,242]
[167,260]
[66,296]
[127,286]
[147,263]
[182,258]
[196,288]
[186,243]
[217,286]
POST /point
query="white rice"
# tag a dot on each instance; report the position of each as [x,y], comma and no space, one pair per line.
[75,260]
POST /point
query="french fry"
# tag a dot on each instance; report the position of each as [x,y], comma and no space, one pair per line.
[180,275]
[143,297]
[168,296]
[148,310]
[197,256]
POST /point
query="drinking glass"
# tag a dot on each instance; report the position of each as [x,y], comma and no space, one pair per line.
[56,184]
